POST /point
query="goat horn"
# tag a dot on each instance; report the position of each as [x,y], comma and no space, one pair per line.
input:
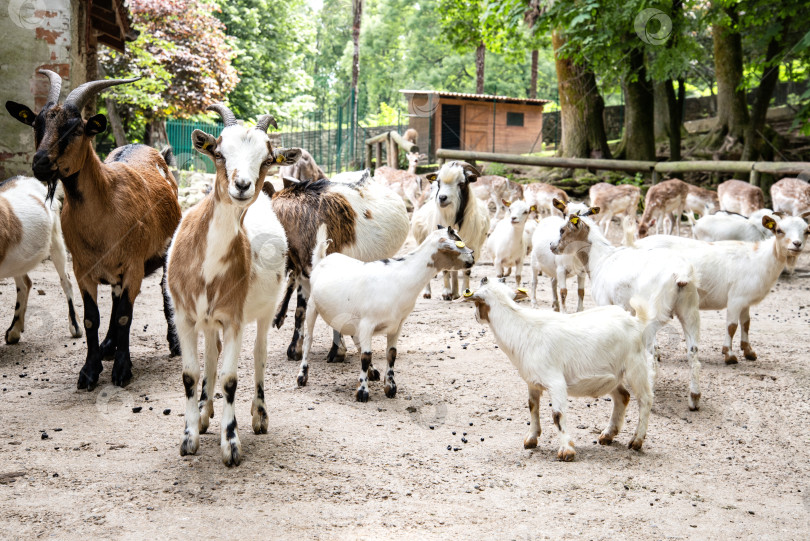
[82,94]
[264,121]
[56,85]
[228,118]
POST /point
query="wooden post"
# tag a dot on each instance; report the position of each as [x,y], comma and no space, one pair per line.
[393,154]
[753,177]
[378,153]
[369,165]
[655,177]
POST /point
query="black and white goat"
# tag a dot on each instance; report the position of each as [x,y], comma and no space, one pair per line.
[356,298]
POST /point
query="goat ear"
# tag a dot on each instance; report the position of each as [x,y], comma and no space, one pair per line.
[592,210]
[768,222]
[520,294]
[95,125]
[505,202]
[804,215]
[431,176]
[204,143]
[21,112]
[559,205]
[287,156]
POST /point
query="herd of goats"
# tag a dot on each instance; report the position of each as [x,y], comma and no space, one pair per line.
[333,243]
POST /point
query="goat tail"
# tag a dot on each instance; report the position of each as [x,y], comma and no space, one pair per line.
[321,245]
[642,309]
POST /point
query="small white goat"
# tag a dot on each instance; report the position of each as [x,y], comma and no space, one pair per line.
[357,298]
[740,197]
[737,275]
[506,243]
[619,200]
[667,280]
[453,204]
[791,196]
[30,230]
[226,265]
[557,267]
[590,353]
[665,202]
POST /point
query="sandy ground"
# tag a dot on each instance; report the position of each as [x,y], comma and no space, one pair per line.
[84,465]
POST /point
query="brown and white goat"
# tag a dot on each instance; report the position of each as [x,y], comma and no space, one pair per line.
[541,195]
[665,201]
[30,230]
[118,217]
[613,200]
[740,197]
[304,169]
[226,267]
[791,196]
[365,220]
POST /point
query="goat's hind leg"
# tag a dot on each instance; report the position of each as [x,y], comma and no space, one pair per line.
[639,383]
[17,327]
[530,441]
[59,258]
[620,398]
[258,410]
[364,336]
[311,318]
[732,319]
[88,375]
[391,355]
[110,343]
[168,313]
[337,353]
[745,345]
[230,444]
[122,365]
[559,405]
[213,347]
[191,373]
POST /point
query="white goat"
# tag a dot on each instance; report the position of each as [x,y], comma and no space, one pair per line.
[226,266]
[557,267]
[30,231]
[737,275]
[589,354]
[732,226]
[740,197]
[363,299]
[453,204]
[661,276]
[506,243]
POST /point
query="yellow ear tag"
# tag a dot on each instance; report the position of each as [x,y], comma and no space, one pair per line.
[279,159]
[468,293]
[770,225]
[522,290]
[533,209]
[24,115]
[574,220]
[206,145]
[460,244]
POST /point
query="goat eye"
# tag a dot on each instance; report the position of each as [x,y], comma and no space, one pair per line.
[218,155]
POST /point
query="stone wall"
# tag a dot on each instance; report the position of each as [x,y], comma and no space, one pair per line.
[44,34]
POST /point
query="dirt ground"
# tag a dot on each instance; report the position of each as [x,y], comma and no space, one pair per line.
[79,465]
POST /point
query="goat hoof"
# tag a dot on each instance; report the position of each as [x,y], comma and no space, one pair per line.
[566,454]
[174,350]
[373,374]
[334,356]
[293,354]
[750,355]
[425,295]
[390,389]
[605,438]
[122,371]
[302,379]
[232,453]
[731,359]
[12,337]
[530,442]
[362,395]
[88,379]
[259,420]
[107,349]
[189,446]
[636,443]
[694,401]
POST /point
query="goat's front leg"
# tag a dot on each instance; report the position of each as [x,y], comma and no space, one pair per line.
[88,375]
[467,275]
[17,327]
[229,443]
[620,398]
[530,441]
[519,273]
[690,322]
[447,293]
[110,342]
[294,349]
[732,319]
[122,365]
[364,336]
[640,385]
[213,347]
[337,353]
[391,355]
[191,373]
[59,258]
[745,323]
[562,279]
[168,313]
[580,292]
[426,294]
[559,404]
[303,371]
[258,409]
[555,304]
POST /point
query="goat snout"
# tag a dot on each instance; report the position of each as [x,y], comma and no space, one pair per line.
[443,202]
[554,246]
[242,188]
[42,167]
[797,245]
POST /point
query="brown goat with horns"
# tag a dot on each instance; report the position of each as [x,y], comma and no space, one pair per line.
[118,218]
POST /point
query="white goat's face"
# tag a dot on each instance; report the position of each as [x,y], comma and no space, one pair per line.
[491,291]
[519,212]
[452,182]
[451,251]
[246,155]
[790,232]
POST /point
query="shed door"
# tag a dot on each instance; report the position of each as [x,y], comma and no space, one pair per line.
[451,126]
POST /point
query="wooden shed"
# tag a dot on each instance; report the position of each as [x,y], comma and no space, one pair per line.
[479,122]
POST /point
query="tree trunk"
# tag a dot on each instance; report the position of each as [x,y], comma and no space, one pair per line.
[480,55]
[675,105]
[661,119]
[533,83]
[732,110]
[115,122]
[581,108]
[358,15]
[639,135]
[764,93]
[155,133]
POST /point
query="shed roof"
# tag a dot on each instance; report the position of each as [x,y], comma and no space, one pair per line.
[479,97]
[112,21]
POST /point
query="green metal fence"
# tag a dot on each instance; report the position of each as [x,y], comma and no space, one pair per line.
[179,133]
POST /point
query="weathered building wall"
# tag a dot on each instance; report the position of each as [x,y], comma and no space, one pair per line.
[37,34]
